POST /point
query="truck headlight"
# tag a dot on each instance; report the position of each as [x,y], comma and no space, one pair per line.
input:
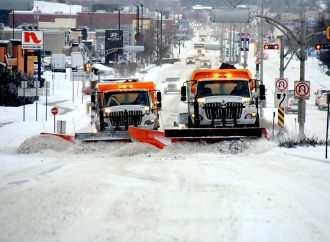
[200,116]
[149,122]
[246,100]
[106,110]
[201,100]
[251,115]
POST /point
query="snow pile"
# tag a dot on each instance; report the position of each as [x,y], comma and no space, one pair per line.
[94,147]
[117,149]
[40,143]
[233,147]
[135,148]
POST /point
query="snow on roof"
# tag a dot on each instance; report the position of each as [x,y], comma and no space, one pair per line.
[51,7]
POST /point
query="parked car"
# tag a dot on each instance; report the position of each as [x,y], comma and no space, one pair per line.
[190,60]
[47,60]
[292,103]
[172,84]
[42,68]
[318,95]
[322,101]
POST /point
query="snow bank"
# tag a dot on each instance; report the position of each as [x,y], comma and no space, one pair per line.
[117,149]
[40,143]
[233,147]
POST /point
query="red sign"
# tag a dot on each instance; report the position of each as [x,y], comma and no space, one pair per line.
[281,84]
[302,89]
[32,40]
[54,110]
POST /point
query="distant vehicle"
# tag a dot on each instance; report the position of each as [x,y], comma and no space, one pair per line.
[58,62]
[292,103]
[205,64]
[318,95]
[104,72]
[322,101]
[197,58]
[42,68]
[47,60]
[190,60]
[68,61]
[77,61]
[172,84]
[199,49]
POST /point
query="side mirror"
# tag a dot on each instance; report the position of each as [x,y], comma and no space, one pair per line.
[183,93]
[159,97]
[159,100]
[262,92]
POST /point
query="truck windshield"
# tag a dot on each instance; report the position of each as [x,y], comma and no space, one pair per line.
[223,88]
[126,98]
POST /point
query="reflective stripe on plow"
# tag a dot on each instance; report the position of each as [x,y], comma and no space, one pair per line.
[280,117]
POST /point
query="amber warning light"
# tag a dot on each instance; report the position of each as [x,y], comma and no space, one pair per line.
[273,46]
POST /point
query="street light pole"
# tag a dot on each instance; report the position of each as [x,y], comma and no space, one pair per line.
[141,18]
[90,25]
[157,24]
[13,24]
[119,18]
[161,35]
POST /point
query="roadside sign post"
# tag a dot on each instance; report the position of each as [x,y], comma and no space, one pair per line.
[23,86]
[327,131]
[301,92]
[54,111]
[281,98]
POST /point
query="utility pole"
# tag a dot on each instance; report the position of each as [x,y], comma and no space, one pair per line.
[245,46]
[281,57]
[222,46]
[302,102]
[261,54]
[161,35]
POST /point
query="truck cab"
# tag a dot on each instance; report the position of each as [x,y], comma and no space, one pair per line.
[123,104]
[220,98]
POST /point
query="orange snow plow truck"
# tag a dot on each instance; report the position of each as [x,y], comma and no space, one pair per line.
[115,105]
[219,104]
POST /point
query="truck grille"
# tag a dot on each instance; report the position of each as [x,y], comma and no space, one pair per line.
[125,118]
[230,110]
[171,85]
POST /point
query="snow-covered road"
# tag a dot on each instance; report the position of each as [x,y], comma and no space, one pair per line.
[249,191]
[51,190]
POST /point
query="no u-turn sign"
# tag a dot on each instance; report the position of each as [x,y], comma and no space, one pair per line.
[302,89]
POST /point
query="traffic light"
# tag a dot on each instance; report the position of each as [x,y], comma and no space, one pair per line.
[322,46]
[271,46]
[257,65]
[87,67]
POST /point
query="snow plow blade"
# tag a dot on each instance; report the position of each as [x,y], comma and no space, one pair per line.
[162,138]
[103,136]
[215,133]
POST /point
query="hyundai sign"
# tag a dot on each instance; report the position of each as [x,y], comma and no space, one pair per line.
[113,41]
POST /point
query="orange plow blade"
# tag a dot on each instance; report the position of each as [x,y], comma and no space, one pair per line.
[161,139]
